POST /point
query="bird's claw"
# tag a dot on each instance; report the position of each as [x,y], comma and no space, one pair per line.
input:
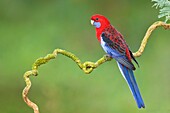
[107,57]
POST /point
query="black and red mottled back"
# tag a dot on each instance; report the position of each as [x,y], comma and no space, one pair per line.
[117,40]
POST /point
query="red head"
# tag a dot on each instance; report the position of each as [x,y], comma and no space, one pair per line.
[100,22]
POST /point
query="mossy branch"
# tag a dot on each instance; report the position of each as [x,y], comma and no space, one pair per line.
[87,66]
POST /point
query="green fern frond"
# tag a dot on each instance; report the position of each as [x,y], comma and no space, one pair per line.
[164,10]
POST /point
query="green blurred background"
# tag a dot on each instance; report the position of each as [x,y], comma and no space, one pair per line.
[30,29]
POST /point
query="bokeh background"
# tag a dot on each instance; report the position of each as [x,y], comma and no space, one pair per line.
[30,29]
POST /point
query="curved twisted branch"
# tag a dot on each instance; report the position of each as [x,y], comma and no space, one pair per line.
[147,35]
[26,90]
[87,66]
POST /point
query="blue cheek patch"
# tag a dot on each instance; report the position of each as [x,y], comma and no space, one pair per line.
[97,24]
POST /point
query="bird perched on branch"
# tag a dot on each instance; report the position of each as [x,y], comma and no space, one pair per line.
[115,46]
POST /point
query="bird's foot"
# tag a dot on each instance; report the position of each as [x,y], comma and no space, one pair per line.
[107,57]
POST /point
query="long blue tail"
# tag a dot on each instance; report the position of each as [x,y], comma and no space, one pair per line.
[130,79]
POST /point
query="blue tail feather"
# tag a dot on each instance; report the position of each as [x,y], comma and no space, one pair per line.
[130,79]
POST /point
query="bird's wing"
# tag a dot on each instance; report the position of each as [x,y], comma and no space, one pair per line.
[117,48]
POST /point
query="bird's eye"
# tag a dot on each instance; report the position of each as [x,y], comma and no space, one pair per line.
[97,18]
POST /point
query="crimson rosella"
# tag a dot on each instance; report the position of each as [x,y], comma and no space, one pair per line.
[115,46]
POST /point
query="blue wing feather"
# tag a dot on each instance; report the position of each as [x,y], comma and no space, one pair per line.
[116,54]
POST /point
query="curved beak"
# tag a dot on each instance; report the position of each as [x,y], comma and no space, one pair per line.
[92,22]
